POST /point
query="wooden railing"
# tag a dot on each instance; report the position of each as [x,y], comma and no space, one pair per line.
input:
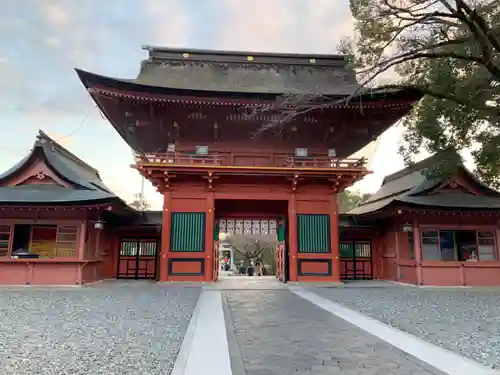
[179,159]
[224,160]
[323,162]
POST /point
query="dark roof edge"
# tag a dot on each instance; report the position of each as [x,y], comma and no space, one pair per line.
[268,57]
[63,150]
[415,167]
[90,79]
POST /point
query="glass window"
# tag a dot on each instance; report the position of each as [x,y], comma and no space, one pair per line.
[486,244]
[457,245]
[447,245]
[430,246]
[466,245]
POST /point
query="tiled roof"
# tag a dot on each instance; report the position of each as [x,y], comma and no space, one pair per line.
[247,72]
[87,183]
[409,186]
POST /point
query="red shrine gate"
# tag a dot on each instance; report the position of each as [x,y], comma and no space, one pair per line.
[186,118]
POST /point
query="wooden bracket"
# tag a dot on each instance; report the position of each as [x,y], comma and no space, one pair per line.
[210,177]
[295,181]
[336,185]
[216,131]
[167,179]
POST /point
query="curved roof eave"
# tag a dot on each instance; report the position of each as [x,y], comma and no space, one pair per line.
[90,80]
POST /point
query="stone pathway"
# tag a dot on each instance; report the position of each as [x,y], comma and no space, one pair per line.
[278,333]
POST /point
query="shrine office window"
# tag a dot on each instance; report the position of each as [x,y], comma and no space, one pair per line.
[486,245]
[458,245]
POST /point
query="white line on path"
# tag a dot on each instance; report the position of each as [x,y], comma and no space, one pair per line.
[205,349]
[442,359]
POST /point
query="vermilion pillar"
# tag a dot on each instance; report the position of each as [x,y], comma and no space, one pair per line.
[292,237]
[165,237]
[417,248]
[334,239]
[398,254]
[209,238]
[81,239]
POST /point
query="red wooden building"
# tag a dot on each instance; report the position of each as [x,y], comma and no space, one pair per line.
[54,205]
[428,230]
[186,116]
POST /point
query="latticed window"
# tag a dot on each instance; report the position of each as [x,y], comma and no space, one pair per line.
[67,241]
[54,241]
[140,247]
[4,240]
[128,248]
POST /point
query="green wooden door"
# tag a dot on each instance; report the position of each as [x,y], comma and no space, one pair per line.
[313,233]
[188,232]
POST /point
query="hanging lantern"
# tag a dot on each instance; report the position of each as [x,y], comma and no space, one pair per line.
[99,224]
[407,227]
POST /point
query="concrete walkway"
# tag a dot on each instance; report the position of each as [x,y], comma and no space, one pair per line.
[258,326]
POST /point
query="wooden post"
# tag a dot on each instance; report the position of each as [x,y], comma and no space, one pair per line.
[417,248]
[334,238]
[292,238]
[398,256]
[165,237]
[82,236]
[210,260]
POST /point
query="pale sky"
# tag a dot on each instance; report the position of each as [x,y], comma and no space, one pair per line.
[41,41]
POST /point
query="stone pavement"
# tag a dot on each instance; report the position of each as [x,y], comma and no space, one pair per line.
[275,332]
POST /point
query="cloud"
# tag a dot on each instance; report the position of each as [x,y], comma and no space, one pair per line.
[53,42]
[257,25]
[56,15]
[170,20]
[285,25]
[60,138]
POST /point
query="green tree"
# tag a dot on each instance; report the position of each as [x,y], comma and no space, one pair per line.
[449,50]
[350,199]
[140,203]
[257,248]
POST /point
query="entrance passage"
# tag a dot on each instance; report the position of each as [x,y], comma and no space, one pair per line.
[137,258]
[251,239]
[356,260]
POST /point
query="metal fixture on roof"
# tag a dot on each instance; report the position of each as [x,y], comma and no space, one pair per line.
[301,152]
[201,150]
[131,128]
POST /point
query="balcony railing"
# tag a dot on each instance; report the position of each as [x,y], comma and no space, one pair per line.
[323,162]
[178,159]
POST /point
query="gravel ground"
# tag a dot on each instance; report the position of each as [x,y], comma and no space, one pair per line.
[465,321]
[111,328]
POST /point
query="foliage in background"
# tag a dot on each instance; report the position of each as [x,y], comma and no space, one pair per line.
[348,200]
[448,50]
[254,247]
[140,203]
